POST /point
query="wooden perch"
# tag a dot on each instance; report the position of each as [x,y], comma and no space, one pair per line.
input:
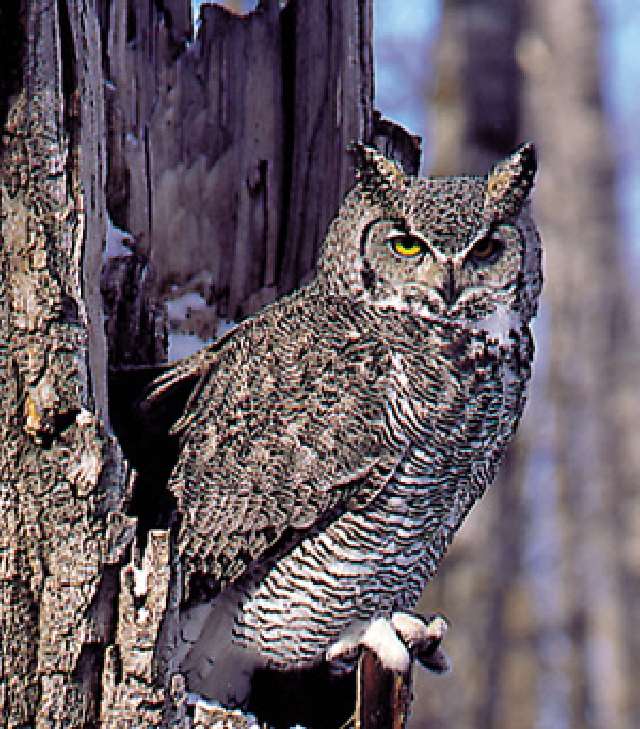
[383,697]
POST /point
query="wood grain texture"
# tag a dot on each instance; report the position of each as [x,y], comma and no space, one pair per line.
[195,146]
[383,699]
[228,154]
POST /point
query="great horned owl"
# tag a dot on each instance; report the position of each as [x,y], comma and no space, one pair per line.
[336,440]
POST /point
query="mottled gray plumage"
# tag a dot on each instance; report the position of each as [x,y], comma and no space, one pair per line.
[337,439]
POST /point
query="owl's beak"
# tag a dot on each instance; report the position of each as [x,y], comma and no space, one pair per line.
[449,291]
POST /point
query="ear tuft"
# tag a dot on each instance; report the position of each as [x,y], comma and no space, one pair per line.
[373,170]
[510,181]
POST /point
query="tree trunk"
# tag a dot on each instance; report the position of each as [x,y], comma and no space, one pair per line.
[584,620]
[208,167]
[63,484]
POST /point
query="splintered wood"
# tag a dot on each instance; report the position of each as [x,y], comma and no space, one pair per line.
[383,699]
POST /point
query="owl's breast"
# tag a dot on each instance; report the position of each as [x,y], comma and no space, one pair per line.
[457,399]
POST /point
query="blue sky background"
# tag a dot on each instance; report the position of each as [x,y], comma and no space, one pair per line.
[620,55]
[404,33]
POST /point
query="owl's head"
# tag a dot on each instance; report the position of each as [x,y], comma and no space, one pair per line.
[461,249]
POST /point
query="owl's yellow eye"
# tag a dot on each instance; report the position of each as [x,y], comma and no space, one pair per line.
[406,246]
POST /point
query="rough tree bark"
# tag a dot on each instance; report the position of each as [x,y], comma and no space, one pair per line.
[210,166]
[63,484]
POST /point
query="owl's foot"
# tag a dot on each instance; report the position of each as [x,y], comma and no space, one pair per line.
[395,642]
[423,637]
[380,637]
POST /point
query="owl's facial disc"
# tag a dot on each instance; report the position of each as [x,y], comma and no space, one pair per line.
[458,248]
[414,270]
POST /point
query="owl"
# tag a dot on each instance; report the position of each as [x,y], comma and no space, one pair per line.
[336,440]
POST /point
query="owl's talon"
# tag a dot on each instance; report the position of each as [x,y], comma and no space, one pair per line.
[381,638]
[395,642]
[423,636]
[343,651]
[419,633]
[436,661]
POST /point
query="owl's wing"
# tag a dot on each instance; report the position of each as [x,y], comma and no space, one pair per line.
[164,399]
[146,404]
[278,437]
